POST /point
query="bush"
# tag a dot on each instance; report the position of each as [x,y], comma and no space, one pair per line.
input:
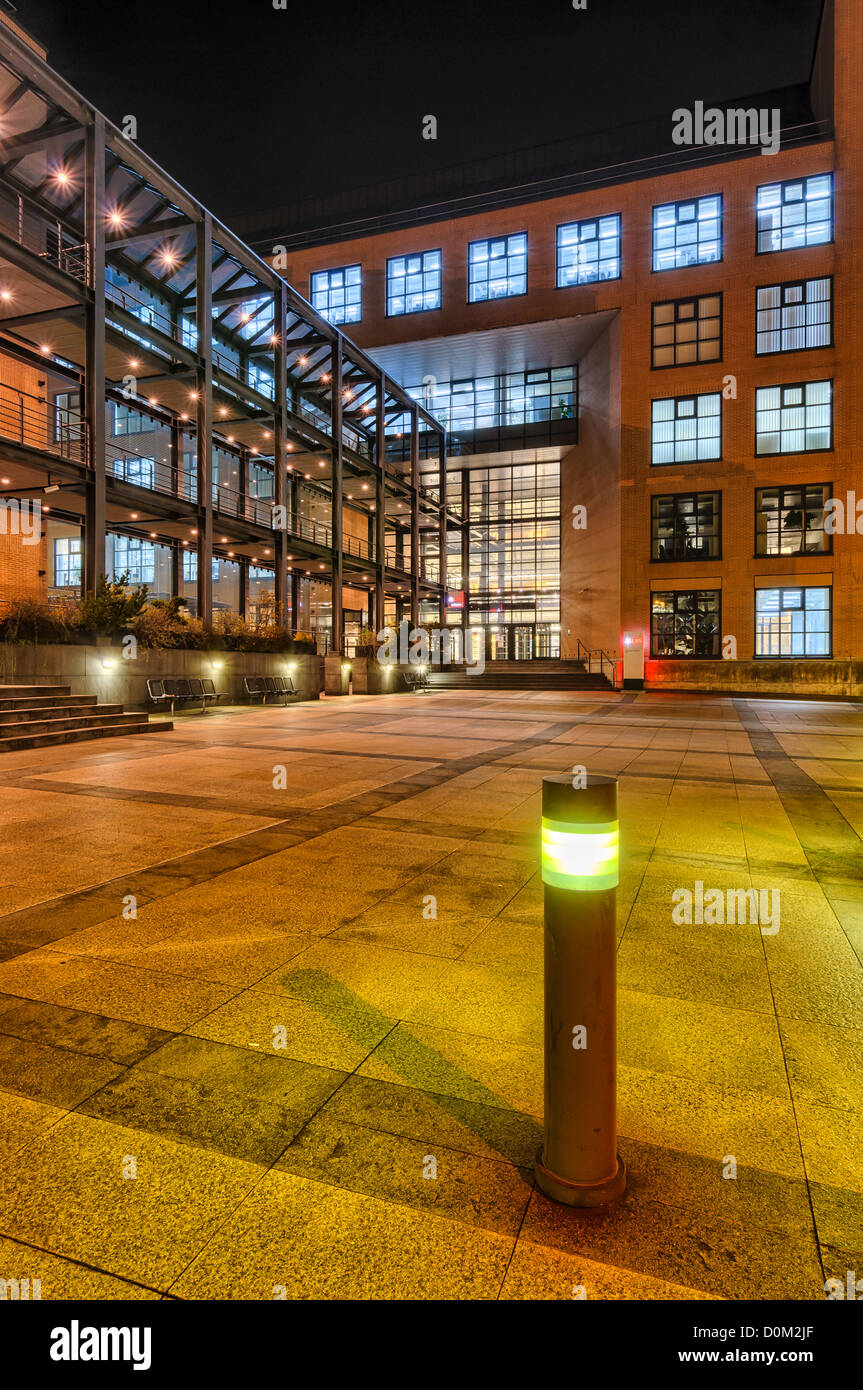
[165,623]
[112,607]
[237,635]
[31,621]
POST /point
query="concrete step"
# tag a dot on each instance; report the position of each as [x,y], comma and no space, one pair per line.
[515,679]
[15,729]
[24,713]
[19,742]
[46,701]
[14,692]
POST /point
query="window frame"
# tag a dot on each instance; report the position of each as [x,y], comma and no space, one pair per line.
[578,222]
[686,299]
[486,241]
[771,656]
[791,386]
[782,183]
[782,285]
[691,559]
[782,488]
[717,656]
[331,270]
[681,202]
[686,396]
[404,256]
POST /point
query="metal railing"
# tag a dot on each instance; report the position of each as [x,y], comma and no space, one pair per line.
[24,221]
[595,659]
[37,423]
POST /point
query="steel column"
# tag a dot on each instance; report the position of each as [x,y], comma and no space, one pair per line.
[94,366]
[204,433]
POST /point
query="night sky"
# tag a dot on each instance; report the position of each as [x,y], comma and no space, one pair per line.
[251,107]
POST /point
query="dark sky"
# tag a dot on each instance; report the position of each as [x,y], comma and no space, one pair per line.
[251,107]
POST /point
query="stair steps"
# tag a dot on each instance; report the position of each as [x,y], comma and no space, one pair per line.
[36,716]
[520,675]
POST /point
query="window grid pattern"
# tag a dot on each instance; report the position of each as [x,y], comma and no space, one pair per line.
[492,402]
[685,526]
[67,562]
[497,268]
[337,294]
[414,283]
[685,623]
[794,315]
[514,574]
[790,520]
[588,251]
[686,429]
[794,419]
[793,622]
[686,331]
[687,233]
[794,214]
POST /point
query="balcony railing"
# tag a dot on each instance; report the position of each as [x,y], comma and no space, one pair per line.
[23,221]
[37,423]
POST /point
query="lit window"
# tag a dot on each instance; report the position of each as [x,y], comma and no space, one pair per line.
[796,419]
[129,421]
[337,294]
[67,562]
[686,429]
[685,623]
[790,520]
[126,555]
[792,622]
[497,268]
[687,233]
[588,251]
[687,330]
[685,526]
[794,315]
[414,283]
[794,214]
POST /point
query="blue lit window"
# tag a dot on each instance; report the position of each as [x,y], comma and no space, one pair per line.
[132,557]
[588,251]
[129,421]
[687,233]
[794,419]
[796,213]
[414,283]
[337,294]
[497,268]
[686,429]
[67,562]
[793,622]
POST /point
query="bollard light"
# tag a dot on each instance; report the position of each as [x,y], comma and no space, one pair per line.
[578,1164]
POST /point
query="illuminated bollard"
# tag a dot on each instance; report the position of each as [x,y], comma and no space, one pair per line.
[578,1163]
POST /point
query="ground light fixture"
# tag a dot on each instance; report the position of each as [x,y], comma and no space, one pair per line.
[578,1164]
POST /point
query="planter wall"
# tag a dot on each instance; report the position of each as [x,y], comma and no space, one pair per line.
[837,678]
[82,668]
[368,677]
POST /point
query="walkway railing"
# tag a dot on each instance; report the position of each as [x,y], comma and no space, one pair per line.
[23,221]
[37,423]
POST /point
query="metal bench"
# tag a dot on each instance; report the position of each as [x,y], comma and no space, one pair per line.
[269,685]
[416,677]
[180,691]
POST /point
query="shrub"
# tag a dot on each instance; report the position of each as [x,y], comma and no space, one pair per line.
[165,623]
[237,635]
[28,620]
[113,606]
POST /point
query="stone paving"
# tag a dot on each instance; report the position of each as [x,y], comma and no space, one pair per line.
[235,1039]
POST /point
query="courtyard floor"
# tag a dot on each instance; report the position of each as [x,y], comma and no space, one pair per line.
[236,1042]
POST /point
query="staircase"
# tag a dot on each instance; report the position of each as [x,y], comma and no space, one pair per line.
[520,675]
[34,716]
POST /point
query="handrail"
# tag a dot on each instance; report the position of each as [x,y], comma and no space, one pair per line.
[38,423]
[590,657]
[51,240]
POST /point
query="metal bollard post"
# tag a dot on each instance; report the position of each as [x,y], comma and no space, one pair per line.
[578,1163]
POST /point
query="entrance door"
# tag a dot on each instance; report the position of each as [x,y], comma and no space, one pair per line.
[497,644]
[521,642]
